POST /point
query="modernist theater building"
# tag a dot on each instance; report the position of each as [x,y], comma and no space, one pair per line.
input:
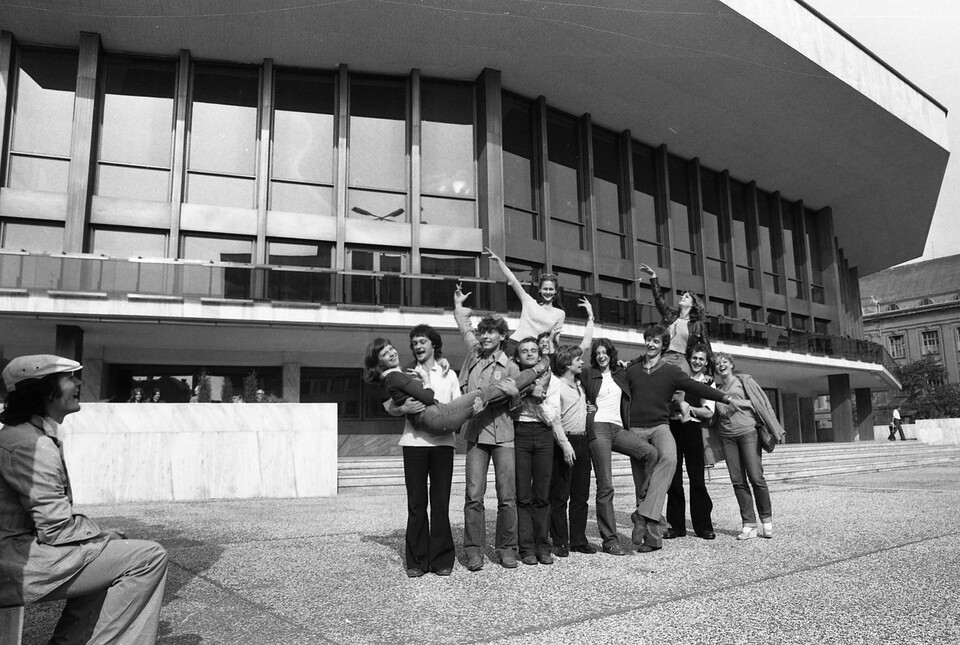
[265,186]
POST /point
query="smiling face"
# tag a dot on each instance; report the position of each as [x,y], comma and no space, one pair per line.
[602,357]
[576,365]
[389,358]
[698,362]
[422,348]
[654,345]
[69,400]
[546,347]
[724,366]
[548,290]
[490,339]
[528,354]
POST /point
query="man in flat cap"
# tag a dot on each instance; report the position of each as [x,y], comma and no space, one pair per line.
[113,586]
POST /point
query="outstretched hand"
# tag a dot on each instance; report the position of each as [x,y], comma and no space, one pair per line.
[646,268]
[493,256]
[459,297]
[585,303]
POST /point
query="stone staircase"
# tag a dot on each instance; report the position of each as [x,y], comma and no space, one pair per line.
[788,462]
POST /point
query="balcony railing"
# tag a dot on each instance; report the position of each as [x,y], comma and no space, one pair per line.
[188,279]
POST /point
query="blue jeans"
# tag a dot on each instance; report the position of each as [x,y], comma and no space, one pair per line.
[607,439]
[534,458]
[743,464]
[474,518]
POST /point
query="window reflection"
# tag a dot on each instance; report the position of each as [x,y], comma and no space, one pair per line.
[742,236]
[447,139]
[606,186]
[216,249]
[646,222]
[378,133]
[713,245]
[128,243]
[33,237]
[681,216]
[563,171]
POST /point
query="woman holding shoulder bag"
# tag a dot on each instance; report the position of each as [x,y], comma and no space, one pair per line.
[741,444]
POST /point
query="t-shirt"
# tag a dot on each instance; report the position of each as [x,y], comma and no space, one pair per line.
[679,333]
[608,401]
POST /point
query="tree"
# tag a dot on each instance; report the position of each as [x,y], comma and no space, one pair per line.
[250,386]
[928,393]
[203,394]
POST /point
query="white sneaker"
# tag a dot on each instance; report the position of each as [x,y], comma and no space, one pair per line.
[766,530]
[748,533]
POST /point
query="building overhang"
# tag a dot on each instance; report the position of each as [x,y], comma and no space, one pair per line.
[222,332]
[763,88]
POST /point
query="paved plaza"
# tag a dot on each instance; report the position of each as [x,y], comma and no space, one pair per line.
[870,558]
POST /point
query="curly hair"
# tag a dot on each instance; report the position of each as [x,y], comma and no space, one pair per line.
[493,323]
[431,334]
[607,345]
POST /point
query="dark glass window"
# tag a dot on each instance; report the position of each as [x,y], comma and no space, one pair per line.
[378,149]
[33,236]
[216,249]
[611,238]
[614,288]
[714,244]
[794,254]
[299,254]
[646,220]
[743,236]
[798,321]
[452,265]
[769,241]
[384,290]
[223,136]
[299,285]
[816,256]
[563,177]
[128,243]
[303,143]
[344,387]
[682,221]
[447,171]
[136,136]
[521,195]
[39,156]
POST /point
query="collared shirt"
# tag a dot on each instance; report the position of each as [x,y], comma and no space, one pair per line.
[530,408]
[569,401]
[445,389]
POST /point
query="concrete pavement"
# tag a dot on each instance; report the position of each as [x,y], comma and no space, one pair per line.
[870,558]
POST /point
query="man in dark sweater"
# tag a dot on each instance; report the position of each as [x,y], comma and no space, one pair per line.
[652,383]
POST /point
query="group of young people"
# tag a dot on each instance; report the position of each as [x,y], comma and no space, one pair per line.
[550,415]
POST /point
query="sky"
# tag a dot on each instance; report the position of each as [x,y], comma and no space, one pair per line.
[921,40]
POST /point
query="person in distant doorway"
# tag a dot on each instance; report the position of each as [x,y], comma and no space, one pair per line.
[896,427]
[137,396]
[155,397]
[259,396]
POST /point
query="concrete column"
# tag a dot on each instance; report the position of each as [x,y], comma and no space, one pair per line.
[92,377]
[291,382]
[808,423]
[841,407]
[864,414]
[69,342]
[490,173]
[82,145]
[791,417]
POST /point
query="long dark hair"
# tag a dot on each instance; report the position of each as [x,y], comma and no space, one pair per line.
[698,311]
[30,400]
[371,359]
[611,352]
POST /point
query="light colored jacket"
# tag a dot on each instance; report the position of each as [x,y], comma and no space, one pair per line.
[761,406]
[43,543]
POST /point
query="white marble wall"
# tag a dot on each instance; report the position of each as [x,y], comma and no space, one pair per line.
[180,451]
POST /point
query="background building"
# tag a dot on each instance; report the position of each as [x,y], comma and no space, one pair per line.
[265,187]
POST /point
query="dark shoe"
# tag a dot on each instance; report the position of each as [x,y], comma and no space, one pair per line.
[615,549]
[414,573]
[708,535]
[561,551]
[638,527]
[544,557]
[475,562]
[508,561]
[584,548]
[529,559]
[446,571]
[646,548]
[670,534]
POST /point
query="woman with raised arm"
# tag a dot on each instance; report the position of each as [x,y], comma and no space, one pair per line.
[686,322]
[536,316]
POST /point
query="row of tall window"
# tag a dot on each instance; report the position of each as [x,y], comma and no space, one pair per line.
[929,343]
[571,185]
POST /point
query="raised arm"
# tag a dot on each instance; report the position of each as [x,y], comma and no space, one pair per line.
[658,299]
[462,315]
[511,279]
[588,332]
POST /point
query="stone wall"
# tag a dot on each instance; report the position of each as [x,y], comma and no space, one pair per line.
[180,451]
[932,431]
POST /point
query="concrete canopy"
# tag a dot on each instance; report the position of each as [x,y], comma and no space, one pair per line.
[766,89]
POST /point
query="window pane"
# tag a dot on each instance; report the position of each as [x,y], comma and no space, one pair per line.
[46,84]
[299,255]
[567,236]
[519,165]
[133,183]
[679,201]
[710,191]
[813,246]
[377,207]
[378,133]
[303,128]
[606,182]
[463,266]
[789,243]
[37,238]
[644,203]
[138,111]
[563,168]
[119,243]
[448,212]
[340,386]
[220,191]
[446,139]
[216,249]
[32,173]
[223,128]
[521,223]
[740,239]
[301,198]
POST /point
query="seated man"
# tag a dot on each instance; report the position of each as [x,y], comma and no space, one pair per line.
[113,586]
